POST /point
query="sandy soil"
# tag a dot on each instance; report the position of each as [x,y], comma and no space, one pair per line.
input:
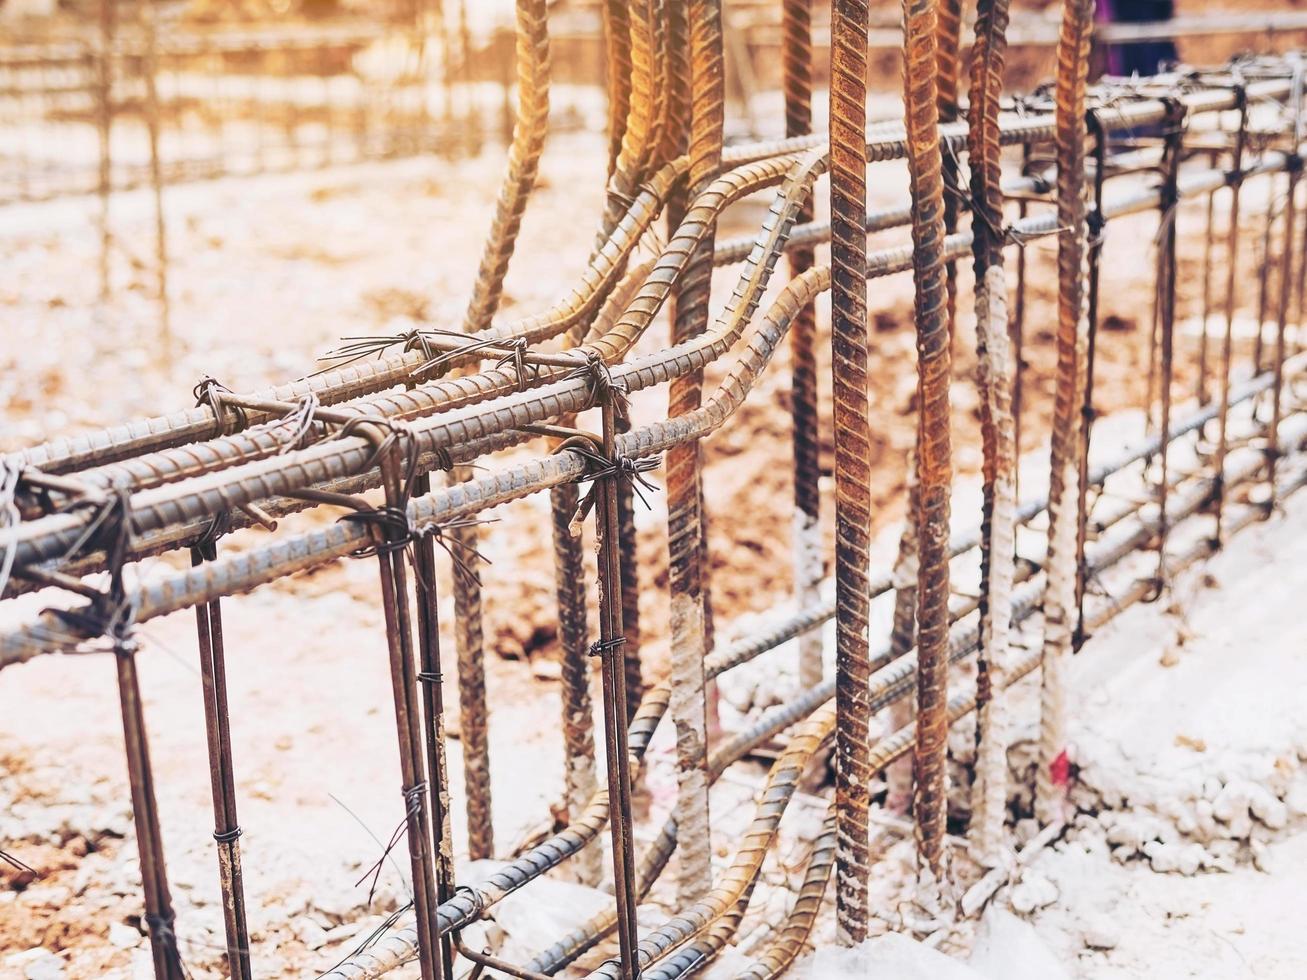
[267,273]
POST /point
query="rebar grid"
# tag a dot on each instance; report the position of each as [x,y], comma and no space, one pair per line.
[79,507]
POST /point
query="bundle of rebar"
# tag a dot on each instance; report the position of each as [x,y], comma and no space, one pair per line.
[388,433]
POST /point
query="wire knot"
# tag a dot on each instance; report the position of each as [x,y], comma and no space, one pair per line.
[227,836]
[209,393]
[612,644]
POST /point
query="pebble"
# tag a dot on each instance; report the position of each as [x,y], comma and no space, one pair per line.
[1296,800]
[37,963]
[1034,891]
[1266,808]
[124,936]
[1262,860]
[1101,934]
[312,935]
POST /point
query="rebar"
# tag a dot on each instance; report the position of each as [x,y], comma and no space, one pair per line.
[848,202]
[934,449]
[1072,68]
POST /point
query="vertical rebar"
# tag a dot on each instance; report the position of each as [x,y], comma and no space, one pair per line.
[159,916]
[529,131]
[641,134]
[684,462]
[1166,287]
[1059,598]
[1017,332]
[848,202]
[1203,394]
[903,634]
[399,640]
[994,379]
[1294,167]
[149,70]
[217,728]
[617,74]
[934,450]
[574,673]
[474,727]
[796,58]
[1232,235]
[1095,222]
[431,678]
[104,121]
[1264,290]
[611,640]
[948,43]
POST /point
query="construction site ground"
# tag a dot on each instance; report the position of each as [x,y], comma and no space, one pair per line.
[268,273]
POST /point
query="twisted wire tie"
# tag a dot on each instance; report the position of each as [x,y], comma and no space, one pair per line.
[300,422]
[209,393]
[9,519]
[227,836]
[603,388]
[113,613]
[601,647]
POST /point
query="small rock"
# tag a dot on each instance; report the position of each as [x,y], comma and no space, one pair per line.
[1190,859]
[43,966]
[545,669]
[1101,933]
[1034,891]
[312,935]
[1266,808]
[1296,800]
[124,936]
[1261,857]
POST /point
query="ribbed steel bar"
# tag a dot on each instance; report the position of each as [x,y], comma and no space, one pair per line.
[529,132]
[617,71]
[1232,242]
[948,61]
[687,571]
[574,675]
[1282,324]
[796,63]
[1059,602]
[934,450]
[147,14]
[1166,297]
[848,120]
[994,376]
[1096,221]
[104,127]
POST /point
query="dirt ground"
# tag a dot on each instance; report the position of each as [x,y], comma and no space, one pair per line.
[267,274]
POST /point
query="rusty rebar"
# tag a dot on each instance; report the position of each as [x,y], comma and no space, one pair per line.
[934,451]
[796,62]
[1072,68]
[1232,239]
[687,571]
[529,131]
[1281,325]
[217,726]
[574,675]
[994,378]
[848,201]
